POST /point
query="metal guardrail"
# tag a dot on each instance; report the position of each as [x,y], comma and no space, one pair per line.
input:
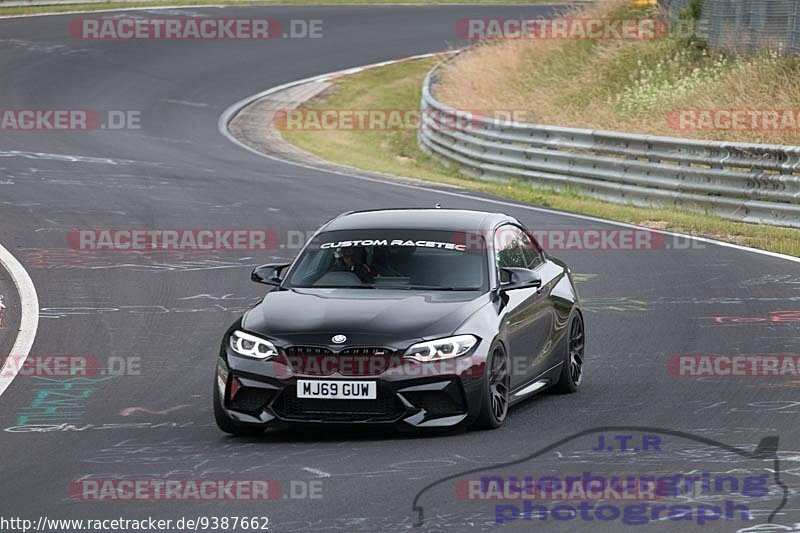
[747,182]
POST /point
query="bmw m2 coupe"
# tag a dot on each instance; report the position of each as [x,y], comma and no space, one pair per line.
[417,318]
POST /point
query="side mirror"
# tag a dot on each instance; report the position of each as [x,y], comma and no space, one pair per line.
[520,278]
[269,274]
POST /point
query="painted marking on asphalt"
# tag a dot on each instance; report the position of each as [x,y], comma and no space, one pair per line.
[615,304]
[29,318]
[774,317]
[64,157]
[183,102]
[316,472]
[66,427]
[228,296]
[143,261]
[582,278]
[63,312]
[2,310]
[128,411]
[227,116]
[57,400]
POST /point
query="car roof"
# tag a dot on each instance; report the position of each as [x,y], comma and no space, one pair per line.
[416,218]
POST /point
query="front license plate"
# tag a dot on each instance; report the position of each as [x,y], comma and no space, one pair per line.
[337,390]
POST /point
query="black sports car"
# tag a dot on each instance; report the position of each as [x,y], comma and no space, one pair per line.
[412,317]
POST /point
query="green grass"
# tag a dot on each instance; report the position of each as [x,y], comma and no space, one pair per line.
[32,10]
[396,152]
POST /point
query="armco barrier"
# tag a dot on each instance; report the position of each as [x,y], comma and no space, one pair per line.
[748,182]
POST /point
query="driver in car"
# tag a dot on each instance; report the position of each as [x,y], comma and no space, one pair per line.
[354,260]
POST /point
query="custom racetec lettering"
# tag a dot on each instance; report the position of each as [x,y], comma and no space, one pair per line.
[394,242]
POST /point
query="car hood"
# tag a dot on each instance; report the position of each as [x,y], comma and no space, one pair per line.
[376,313]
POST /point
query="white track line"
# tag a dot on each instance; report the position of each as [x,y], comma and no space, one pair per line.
[317,472]
[28,322]
[227,115]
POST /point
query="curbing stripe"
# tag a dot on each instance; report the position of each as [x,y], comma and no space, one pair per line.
[29,319]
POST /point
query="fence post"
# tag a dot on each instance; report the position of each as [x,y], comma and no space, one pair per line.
[793,38]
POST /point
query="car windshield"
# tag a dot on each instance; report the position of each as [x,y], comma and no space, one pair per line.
[393,259]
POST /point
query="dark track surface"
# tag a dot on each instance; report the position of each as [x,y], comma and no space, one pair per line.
[179,172]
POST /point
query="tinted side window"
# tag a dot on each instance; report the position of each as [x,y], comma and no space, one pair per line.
[508,249]
[531,250]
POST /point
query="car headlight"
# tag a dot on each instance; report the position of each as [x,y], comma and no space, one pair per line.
[252,346]
[441,348]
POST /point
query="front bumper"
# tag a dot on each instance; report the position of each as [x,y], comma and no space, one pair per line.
[409,393]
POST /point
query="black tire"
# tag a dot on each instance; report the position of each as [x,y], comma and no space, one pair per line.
[497,392]
[229,425]
[572,369]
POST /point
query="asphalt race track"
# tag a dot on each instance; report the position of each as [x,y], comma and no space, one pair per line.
[163,313]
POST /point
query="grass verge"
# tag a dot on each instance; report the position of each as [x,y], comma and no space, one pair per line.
[396,152]
[100,6]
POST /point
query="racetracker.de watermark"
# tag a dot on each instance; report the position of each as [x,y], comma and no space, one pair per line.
[609,498]
[561,28]
[735,365]
[397,119]
[67,366]
[175,490]
[69,120]
[249,239]
[378,362]
[575,239]
[734,119]
[586,487]
[194,28]
[208,239]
